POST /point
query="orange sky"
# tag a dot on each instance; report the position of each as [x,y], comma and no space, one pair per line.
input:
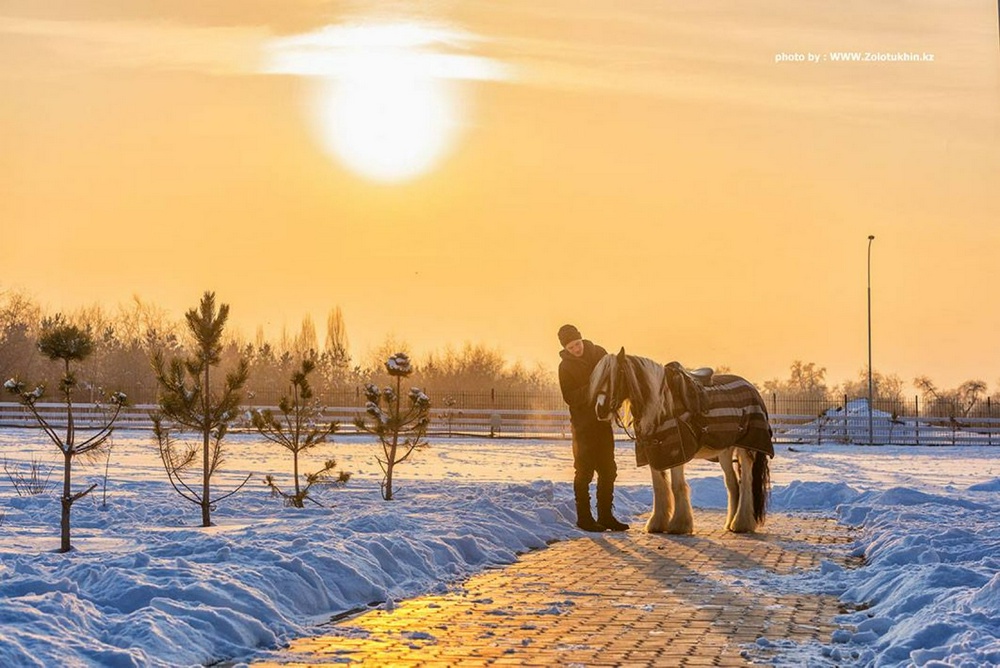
[650,174]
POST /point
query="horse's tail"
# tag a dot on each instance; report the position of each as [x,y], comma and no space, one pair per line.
[761,475]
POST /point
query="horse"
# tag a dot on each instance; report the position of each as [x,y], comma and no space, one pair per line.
[680,415]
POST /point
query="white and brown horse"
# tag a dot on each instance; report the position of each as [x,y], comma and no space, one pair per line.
[679,416]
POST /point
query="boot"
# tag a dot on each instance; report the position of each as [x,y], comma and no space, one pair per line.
[584,519]
[605,493]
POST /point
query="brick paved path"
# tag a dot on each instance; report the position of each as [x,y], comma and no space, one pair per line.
[629,599]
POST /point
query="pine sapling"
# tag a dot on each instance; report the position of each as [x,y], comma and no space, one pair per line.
[400,428]
[187,400]
[298,431]
[67,343]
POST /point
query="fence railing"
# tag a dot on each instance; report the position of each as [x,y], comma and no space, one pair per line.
[791,404]
[832,427]
[551,400]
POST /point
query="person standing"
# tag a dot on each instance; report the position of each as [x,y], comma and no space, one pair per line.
[593,440]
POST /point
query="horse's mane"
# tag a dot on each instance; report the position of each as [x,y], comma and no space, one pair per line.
[604,368]
[650,375]
[657,404]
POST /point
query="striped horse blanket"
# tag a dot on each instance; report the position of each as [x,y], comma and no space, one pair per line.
[728,412]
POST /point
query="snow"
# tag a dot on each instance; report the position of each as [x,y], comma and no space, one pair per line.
[399,365]
[852,425]
[147,586]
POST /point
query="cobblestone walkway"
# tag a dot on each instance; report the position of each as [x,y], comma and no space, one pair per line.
[629,599]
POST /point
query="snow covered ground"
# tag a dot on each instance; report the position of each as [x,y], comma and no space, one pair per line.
[147,586]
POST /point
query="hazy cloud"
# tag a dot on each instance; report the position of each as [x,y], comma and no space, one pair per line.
[432,50]
[697,56]
[420,49]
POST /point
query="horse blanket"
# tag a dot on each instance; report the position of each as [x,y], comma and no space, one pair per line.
[728,412]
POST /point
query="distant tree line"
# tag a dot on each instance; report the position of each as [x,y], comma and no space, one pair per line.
[127,337]
[807,383]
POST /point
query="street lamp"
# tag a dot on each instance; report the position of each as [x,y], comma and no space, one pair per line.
[871,430]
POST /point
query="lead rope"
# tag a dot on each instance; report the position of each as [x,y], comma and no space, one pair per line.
[621,423]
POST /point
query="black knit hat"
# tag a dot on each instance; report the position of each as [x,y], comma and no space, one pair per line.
[568,333]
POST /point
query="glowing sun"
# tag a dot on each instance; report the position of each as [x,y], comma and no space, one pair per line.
[388,122]
[387,101]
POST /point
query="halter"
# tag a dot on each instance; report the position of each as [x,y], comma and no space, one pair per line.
[624,378]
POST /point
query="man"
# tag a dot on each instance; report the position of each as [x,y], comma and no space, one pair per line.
[593,440]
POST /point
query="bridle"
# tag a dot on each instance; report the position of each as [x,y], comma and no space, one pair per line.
[624,377]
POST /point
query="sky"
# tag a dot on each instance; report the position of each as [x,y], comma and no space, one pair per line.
[669,178]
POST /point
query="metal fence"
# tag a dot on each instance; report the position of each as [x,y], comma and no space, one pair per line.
[839,424]
[915,407]
[551,400]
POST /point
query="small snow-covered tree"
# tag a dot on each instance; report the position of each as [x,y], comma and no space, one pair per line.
[187,400]
[298,430]
[399,427]
[450,413]
[69,344]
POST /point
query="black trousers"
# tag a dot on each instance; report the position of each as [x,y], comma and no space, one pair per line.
[594,452]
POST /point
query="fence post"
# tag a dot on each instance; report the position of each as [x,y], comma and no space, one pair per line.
[989,418]
[916,413]
[774,403]
[847,424]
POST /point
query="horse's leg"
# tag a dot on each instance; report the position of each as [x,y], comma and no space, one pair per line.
[663,503]
[732,485]
[744,521]
[683,517]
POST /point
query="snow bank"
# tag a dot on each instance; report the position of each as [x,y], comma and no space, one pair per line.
[147,587]
[930,580]
[928,592]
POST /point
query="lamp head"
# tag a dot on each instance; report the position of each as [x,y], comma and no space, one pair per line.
[871,237]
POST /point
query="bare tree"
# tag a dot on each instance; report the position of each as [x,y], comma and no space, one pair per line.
[32,483]
[957,402]
[187,399]
[298,431]
[375,359]
[69,344]
[806,380]
[886,387]
[19,317]
[306,340]
[336,334]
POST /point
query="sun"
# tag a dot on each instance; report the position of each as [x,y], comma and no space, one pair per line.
[387,102]
[387,122]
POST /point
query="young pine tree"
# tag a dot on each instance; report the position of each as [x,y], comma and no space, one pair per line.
[400,428]
[67,343]
[187,400]
[298,431]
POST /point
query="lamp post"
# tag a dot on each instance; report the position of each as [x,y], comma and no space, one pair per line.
[871,430]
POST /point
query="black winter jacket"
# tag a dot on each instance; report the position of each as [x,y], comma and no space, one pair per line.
[574,381]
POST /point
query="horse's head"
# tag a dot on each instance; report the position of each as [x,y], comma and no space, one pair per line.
[637,380]
[609,385]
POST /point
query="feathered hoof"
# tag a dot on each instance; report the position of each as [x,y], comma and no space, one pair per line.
[681,530]
[736,527]
[655,526]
